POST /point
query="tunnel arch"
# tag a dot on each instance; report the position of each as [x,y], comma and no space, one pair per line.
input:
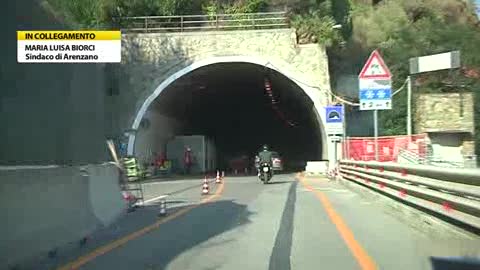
[311,92]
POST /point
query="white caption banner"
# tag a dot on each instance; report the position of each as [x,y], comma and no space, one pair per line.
[68,51]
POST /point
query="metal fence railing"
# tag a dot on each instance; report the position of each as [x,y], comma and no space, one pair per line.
[186,23]
[389,148]
[406,156]
[453,193]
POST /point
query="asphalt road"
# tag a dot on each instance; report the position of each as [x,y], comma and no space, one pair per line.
[289,224]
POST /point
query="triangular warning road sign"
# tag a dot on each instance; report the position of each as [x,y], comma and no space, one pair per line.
[375,68]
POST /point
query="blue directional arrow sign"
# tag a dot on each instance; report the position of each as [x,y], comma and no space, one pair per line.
[375,98]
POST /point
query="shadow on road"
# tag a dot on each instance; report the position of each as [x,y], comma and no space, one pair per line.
[157,249]
[279,182]
[455,263]
[128,223]
[176,202]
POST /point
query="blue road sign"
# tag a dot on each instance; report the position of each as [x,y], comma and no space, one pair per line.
[334,114]
[375,94]
[334,119]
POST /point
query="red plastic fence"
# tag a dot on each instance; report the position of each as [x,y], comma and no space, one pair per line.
[363,148]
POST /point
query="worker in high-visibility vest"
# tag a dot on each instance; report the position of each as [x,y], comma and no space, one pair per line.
[160,160]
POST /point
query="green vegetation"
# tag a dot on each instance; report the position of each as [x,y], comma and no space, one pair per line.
[315,23]
[83,14]
[407,28]
[400,29]
[237,8]
[94,14]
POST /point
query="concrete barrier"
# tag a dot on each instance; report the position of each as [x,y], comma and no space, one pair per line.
[316,168]
[47,208]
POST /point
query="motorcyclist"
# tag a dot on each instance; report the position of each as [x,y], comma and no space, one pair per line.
[265,156]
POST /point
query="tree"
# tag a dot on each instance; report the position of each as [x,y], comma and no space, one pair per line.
[101,13]
[314,23]
[405,29]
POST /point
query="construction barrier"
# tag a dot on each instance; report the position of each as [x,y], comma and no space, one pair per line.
[316,167]
[389,147]
[52,208]
[239,164]
[133,170]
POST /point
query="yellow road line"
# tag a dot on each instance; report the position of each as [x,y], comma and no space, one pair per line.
[362,257]
[123,240]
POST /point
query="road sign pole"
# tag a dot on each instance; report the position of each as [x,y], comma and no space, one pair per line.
[344,118]
[336,158]
[375,85]
[409,106]
[375,131]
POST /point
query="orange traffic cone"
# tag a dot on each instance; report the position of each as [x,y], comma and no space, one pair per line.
[205,188]
[217,179]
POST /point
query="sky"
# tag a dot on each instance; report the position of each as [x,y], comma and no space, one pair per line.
[478,7]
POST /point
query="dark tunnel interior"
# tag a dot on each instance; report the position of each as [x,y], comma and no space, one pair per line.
[228,102]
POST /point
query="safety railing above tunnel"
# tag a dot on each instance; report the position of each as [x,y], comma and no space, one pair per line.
[452,193]
[188,23]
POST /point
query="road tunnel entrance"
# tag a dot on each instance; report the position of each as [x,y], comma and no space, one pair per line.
[231,104]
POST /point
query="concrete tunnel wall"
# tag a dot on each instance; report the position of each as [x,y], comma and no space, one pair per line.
[154,138]
[315,95]
[50,114]
[151,61]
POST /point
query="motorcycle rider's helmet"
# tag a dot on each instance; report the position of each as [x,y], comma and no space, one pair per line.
[265,147]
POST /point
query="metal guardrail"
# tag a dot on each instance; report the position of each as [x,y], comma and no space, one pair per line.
[187,23]
[450,192]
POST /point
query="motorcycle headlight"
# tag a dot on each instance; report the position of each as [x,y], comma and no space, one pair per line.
[265,169]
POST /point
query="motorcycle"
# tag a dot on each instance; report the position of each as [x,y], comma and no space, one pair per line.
[265,172]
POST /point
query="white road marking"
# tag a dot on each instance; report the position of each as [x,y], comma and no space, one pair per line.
[153,199]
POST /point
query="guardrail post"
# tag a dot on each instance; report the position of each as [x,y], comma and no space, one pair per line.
[216,21]
[146,24]
[181,23]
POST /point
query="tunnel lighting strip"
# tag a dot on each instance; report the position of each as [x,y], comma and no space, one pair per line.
[268,90]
